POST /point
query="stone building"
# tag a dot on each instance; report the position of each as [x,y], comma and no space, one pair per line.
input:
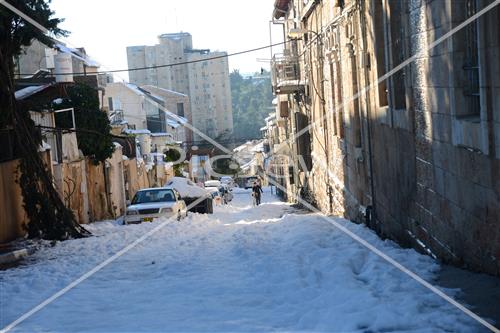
[202,75]
[148,108]
[39,57]
[394,122]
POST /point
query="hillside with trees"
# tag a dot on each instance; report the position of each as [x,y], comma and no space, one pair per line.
[252,98]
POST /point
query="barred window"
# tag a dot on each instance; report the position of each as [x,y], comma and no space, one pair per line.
[380,43]
[471,64]
[397,32]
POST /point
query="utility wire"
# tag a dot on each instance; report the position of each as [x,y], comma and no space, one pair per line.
[227,55]
[81,130]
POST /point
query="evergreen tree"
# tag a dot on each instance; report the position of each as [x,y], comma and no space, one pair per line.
[94,137]
[252,98]
[48,217]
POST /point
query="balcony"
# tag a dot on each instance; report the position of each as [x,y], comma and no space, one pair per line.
[286,74]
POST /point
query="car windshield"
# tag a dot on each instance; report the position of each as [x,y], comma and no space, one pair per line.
[149,196]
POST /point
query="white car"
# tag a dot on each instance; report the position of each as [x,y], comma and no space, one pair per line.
[249,182]
[195,197]
[216,195]
[152,203]
[227,192]
[185,187]
[227,180]
[212,183]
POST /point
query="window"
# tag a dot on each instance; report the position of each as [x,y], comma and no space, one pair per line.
[291,175]
[180,109]
[303,141]
[356,120]
[380,42]
[332,85]
[470,67]
[397,49]
[110,103]
[340,98]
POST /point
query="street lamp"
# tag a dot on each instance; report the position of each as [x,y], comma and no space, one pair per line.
[295,33]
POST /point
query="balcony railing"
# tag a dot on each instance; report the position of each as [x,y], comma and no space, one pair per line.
[116,117]
[286,74]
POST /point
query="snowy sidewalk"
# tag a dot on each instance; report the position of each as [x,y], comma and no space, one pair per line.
[242,269]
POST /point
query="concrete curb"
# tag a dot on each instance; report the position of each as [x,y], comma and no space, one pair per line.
[13,256]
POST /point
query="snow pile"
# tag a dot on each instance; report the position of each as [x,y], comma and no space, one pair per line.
[243,269]
[186,188]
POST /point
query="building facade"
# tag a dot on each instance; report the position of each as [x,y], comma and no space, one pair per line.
[390,122]
[147,108]
[204,79]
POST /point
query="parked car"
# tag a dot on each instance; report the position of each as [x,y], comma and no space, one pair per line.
[227,180]
[152,203]
[212,183]
[249,181]
[216,195]
[227,192]
[190,193]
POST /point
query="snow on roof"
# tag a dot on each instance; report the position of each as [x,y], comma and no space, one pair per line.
[160,134]
[172,123]
[240,148]
[248,165]
[250,146]
[77,54]
[139,131]
[263,128]
[167,91]
[139,90]
[156,96]
[31,90]
[259,147]
[176,118]
[134,88]
[271,116]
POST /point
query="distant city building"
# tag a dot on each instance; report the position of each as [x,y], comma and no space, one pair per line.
[205,81]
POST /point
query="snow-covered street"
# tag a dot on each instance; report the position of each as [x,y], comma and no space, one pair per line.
[269,268]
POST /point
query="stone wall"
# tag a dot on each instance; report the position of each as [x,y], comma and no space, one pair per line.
[92,192]
[408,147]
[456,211]
[71,183]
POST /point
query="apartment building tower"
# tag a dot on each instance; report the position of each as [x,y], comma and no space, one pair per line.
[204,79]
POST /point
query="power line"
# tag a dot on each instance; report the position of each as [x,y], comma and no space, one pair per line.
[86,131]
[168,65]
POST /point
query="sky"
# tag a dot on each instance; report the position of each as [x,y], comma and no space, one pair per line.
[106,27]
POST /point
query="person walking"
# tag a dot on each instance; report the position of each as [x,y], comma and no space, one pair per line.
[256,193]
